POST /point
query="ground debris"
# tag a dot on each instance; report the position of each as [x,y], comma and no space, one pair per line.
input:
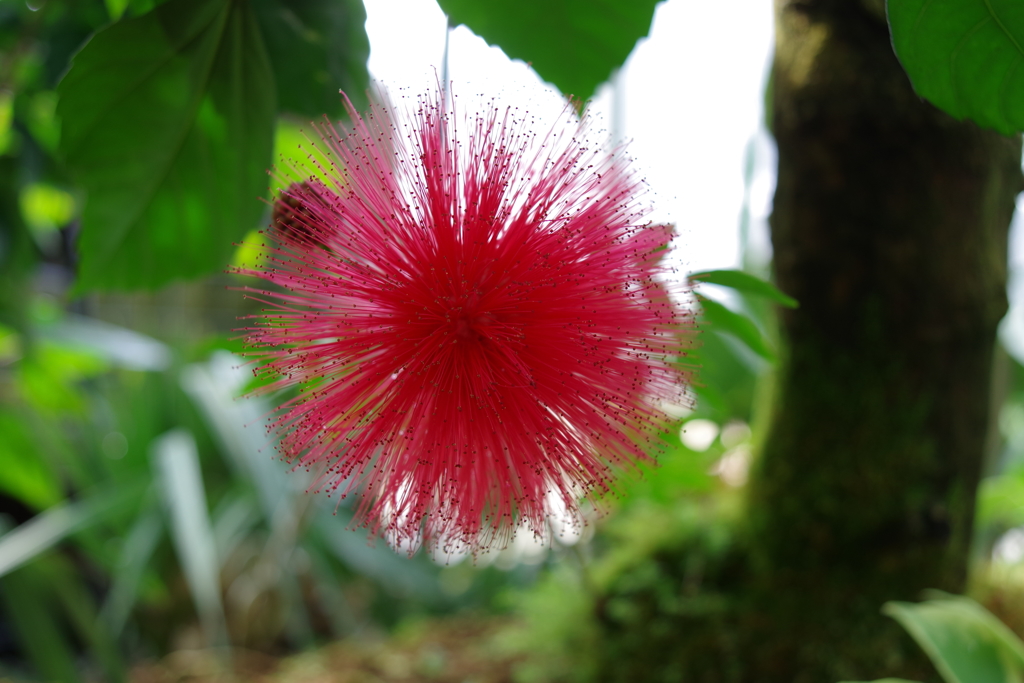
[452,650]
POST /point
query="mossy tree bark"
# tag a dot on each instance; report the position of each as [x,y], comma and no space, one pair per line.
[890,227]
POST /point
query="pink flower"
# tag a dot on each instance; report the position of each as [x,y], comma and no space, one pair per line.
[477,318]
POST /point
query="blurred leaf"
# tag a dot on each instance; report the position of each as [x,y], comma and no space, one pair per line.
[138,7]
[28,598]
[42,532]
[42,120]
[25,476]
[333,602]
[884,680]
[177,465]
[964,56]
[403,577]
[117,345]
[722,319]
[746,283]
[679,472]
[116,8]
[40,597]
[1001,499]
[234,519]
[136,551]
[80,609]
[726,377]
[17,250]
[237,425]
[292,144]
[316,47]
[10,345]
[167,122]
[573,44]
[965,642]
[48,379]
[6,115]
[46,207]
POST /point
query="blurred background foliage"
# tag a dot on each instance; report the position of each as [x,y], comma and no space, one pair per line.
[143,514]
[142,510]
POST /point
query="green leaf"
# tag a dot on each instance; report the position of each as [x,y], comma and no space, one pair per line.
[964,56]
[28,600]
[18,254]
[29,540]
[746,283]
[79,608]
[722,319]
[316,47]
[884,680]
[25,475]
[965,641]
[136,551]
[573,44]
[725,380]
[177,463]
[168,122]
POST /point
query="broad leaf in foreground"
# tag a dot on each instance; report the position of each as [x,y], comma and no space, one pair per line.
[168,123]
[316,47]
[966,642]
[964,56]
[573,44]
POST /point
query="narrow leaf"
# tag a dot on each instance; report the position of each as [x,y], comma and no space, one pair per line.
[746,283]
[136,551]
[177,462]
[42,532]
[28,601]
[167,123]
[214,387]
[964,56]
[573,44]
[79,606]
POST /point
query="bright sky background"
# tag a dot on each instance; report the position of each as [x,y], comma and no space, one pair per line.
[692,106]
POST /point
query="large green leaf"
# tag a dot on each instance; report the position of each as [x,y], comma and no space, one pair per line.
[167,122]
[317,47]
[965,641]
[965,56]
[574,44]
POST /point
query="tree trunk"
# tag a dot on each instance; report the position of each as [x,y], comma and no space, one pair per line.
[890,227]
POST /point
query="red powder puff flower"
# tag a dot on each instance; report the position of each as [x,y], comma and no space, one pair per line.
[477,318]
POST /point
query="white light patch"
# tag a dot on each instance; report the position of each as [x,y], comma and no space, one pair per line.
[1010,547]
[698,435]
